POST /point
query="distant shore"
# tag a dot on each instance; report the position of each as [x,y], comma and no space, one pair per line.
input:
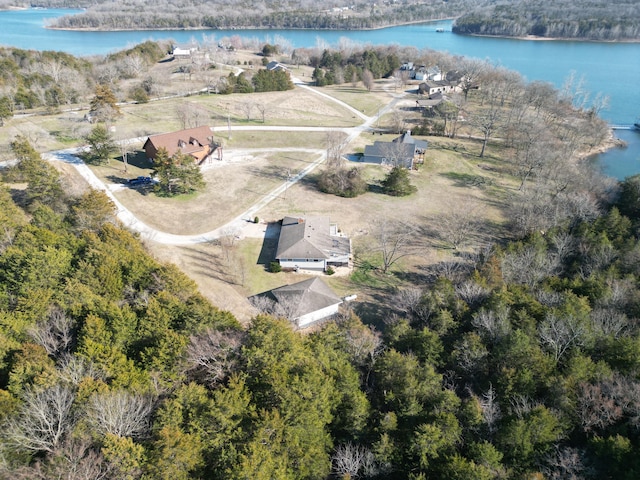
[197,29]
[533,38]
[536,38]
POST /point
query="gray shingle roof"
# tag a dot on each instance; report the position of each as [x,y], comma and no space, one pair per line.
[309,238]
[408,139]
[309,295]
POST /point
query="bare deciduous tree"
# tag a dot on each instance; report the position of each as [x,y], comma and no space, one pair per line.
[74,369]
[353,461]
[472,71]
[73,460]
[212,355]
[565,464]
[457,227]
[397,122]
[247,108]
[493,325]
[596,407]
[407,300]
[490,409]
[283,308]
[528,266]
[191,115]
[54,333]
[559,334]
[335,144]
[471,292]
[43,420]
[487,121]
[120,413]
[394,240]
[609,322]
[368,80]
[262,108]
[364,344]
[132,66]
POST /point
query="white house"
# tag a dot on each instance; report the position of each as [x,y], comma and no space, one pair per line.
[311,243]
[180,52]
[305,302]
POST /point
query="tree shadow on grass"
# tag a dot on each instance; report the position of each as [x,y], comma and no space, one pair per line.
[468,179]
[208,264]
[117,179]
[372,312]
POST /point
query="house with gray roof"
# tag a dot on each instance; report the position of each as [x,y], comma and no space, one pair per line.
[401,151]
[431,87]
[303,303]
[276,66]
[311,243]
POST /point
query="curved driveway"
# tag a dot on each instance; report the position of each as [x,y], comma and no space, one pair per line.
[245,218]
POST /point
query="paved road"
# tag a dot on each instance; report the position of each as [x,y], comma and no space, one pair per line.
[238,224]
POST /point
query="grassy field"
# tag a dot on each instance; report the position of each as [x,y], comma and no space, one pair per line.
[232,187]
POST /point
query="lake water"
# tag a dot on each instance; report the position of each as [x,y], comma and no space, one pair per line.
[612,69]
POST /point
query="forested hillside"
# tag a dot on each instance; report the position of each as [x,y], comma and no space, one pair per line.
[599,20]
[341,14]
[592,20]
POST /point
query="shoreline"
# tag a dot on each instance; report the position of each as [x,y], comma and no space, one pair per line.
[531,38]
[607,144]
[266,29]
[535,38]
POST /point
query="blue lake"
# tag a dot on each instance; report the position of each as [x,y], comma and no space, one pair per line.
[612,69]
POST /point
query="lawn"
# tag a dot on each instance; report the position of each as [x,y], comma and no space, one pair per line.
[233,185]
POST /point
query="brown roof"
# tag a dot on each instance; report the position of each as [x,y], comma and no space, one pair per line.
[189,141]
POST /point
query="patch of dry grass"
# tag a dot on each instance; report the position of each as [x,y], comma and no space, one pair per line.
[232,187]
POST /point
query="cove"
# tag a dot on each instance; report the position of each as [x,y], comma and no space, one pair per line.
[612,69]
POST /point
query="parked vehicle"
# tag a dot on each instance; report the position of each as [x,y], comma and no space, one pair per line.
[142,180]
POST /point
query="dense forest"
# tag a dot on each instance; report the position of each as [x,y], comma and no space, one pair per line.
[599,20]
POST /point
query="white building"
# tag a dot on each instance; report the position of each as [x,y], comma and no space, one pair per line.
[311,243]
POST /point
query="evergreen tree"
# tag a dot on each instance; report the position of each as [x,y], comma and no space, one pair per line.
[178,174]
[43,180]
[104,107]
[101,145]
[397,183]
[6,109]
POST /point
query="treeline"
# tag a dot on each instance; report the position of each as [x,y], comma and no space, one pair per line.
[262,81]
[598,20]
[32,79]
[335,67]
[265,14]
